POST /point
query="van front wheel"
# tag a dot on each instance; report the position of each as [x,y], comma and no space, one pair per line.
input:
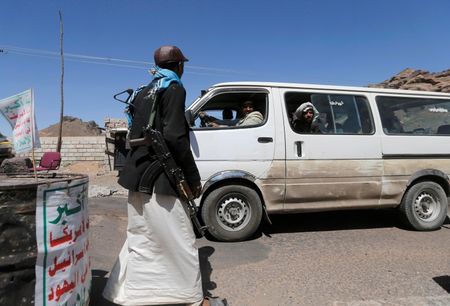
[232,213]
[424,206]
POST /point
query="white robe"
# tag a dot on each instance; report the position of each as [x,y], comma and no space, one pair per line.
[158,263]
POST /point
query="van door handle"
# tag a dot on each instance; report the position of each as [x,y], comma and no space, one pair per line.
[298,145]
[265,139]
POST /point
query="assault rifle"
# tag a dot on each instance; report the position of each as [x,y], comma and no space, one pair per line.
[155,140]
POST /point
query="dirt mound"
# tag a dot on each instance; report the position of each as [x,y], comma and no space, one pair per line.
[412,79]
[72,126]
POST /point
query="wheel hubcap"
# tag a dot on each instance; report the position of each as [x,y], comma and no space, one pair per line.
[426,206]
[233,213]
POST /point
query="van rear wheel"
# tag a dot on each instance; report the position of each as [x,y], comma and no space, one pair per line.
[424,206]
[232,212]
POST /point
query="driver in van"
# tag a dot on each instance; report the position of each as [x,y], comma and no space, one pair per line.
[227,118]
[304,119]
[250,117]
[207,120]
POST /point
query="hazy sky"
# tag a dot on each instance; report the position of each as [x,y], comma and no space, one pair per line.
[109,45]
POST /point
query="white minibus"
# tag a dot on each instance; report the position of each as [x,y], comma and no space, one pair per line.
[258,153]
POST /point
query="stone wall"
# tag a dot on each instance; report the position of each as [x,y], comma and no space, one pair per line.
[76,149]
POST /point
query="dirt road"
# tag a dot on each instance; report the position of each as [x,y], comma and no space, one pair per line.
[363,258]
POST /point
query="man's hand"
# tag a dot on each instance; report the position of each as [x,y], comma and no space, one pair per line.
[197,190]
[209,120]
[212,124]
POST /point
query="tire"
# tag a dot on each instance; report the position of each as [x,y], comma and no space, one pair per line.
[424,206]
[232,212]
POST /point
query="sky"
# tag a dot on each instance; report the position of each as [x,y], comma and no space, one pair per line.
[109,45]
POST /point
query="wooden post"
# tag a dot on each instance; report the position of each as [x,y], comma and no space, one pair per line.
[61,117]
[33,124]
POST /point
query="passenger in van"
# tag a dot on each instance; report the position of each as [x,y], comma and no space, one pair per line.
[391,123]
[227,114]
[366,122]
[251,117]
[324,122]
[351,125]
[303,119]
[227,118]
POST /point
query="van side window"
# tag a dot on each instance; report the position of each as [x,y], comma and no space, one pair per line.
[333,114]
[414,116]
[233,110]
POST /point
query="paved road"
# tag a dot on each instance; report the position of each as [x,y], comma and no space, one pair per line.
[358,258]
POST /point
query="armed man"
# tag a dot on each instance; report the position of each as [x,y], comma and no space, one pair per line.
[159,263]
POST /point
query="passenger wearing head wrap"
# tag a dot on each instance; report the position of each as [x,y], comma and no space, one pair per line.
[304,120]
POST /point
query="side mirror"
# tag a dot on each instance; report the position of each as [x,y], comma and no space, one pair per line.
[189,117]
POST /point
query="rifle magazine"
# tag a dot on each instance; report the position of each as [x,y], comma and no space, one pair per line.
[147,180]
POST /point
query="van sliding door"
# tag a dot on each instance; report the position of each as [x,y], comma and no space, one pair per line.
[338,165]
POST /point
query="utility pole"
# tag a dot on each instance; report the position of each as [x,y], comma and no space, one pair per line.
[61,117]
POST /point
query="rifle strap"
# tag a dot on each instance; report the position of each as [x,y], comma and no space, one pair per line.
[151,119]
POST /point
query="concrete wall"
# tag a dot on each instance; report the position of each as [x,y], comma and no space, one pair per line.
[76,149]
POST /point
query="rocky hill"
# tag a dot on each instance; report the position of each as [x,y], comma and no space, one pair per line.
[412,79]
[72,126]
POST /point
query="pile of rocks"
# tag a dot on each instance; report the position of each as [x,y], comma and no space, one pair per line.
[412,79]
[16,165]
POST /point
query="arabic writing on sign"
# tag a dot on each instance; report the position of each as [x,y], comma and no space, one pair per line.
[65,210]
[18,111]
[18,103]
[63,257]
[61,290]
[66,237]
[59,266]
